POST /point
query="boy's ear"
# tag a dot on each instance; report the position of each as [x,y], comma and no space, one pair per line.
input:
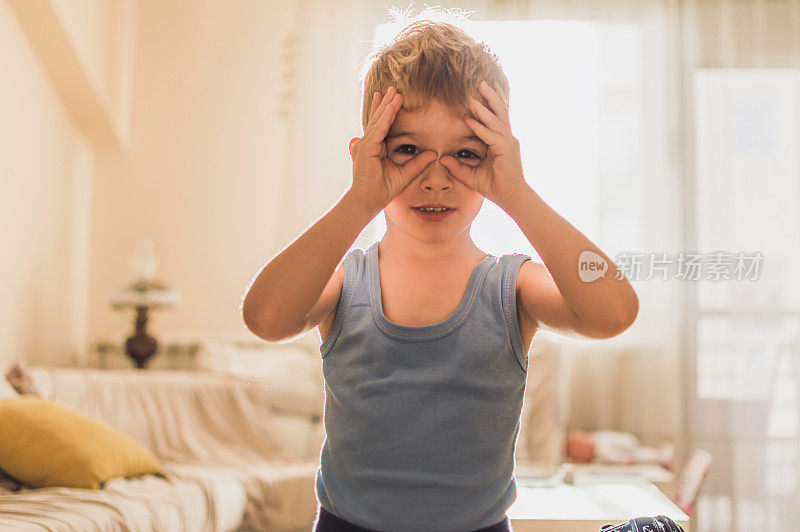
[353,143]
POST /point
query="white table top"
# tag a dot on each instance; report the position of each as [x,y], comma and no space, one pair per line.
[652,472]
[594,500]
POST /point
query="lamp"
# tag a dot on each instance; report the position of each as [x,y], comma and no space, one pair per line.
[143,293]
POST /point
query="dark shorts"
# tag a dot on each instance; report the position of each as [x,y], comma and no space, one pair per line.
[327,522]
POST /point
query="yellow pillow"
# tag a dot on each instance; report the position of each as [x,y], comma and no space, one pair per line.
[44,444]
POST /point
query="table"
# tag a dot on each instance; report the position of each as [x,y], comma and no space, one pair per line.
[169,355]
[663,478]
[591,501]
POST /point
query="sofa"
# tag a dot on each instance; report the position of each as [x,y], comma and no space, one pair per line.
[239,451]
[238,438]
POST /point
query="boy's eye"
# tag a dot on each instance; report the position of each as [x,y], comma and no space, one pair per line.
[412,152]
[469,153]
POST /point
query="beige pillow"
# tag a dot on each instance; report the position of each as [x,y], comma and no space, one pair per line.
[45,444]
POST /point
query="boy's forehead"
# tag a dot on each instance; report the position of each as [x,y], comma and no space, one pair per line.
[436,119]
[432,110]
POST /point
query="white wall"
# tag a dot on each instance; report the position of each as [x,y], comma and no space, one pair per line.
[200,176]
[47,168]
[45,184]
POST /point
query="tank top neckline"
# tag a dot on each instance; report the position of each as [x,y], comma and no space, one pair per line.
[424,332]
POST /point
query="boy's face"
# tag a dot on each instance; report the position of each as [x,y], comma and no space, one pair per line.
[438,129]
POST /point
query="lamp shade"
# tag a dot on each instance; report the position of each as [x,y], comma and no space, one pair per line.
[145,293]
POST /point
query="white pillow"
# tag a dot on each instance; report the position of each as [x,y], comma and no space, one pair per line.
[542,423]
[262,361]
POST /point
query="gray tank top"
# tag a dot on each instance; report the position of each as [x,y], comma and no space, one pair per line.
[421,422]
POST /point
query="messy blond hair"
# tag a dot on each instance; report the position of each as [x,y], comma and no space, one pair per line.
[431,58]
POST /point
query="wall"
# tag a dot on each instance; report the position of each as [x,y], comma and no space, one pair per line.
[47,174]
[201,174]
[196,96]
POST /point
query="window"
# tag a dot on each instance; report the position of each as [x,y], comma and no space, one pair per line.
[745,406]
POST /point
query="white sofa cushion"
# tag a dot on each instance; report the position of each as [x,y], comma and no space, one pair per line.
[186,500]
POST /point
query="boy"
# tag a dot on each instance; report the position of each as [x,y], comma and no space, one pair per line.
[424,336]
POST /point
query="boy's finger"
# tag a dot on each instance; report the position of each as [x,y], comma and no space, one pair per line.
[372,138]
[386,99]
[376,99]
[386,118]
[415,166]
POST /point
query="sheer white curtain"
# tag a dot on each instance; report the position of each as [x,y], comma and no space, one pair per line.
[321,107]
[741,69]
[653,126]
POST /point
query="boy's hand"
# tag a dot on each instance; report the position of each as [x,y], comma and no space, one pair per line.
[376,179]
[499,177]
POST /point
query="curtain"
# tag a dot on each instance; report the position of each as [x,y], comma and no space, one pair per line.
[740,65]
[655,127]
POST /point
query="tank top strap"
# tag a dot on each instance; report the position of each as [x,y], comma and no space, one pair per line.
[354,282]
[508,272]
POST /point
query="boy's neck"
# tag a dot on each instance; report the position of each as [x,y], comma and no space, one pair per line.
[414,252]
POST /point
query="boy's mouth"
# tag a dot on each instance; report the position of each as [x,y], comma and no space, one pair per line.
[432,215]
[433,208]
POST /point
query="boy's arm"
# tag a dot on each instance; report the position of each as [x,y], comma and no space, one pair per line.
[555,295]
[278,301]
[599,308]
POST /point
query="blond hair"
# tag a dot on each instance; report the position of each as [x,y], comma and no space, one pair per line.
[431,58]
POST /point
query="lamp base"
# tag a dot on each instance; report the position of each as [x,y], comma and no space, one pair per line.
[141,346]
